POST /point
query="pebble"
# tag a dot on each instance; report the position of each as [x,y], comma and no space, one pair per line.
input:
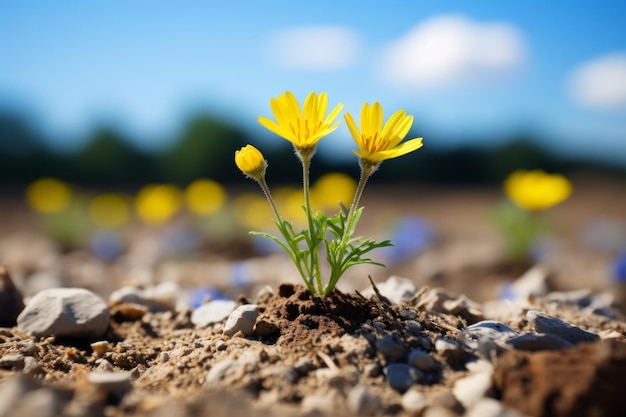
[11,302]
[450,350]
[538,341]
[212,312]
[470,389]
[533,282]
[401,376]
[488,337]
[221,370]
[395,289]
[65,312]
[413,401]
[488,407]
[543,323]
[13,361]
[242,320]
[391,349]
[100,348]
[361,401]
[117,383]
[422,361]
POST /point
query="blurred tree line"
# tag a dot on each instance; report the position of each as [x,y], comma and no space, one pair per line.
[206,148]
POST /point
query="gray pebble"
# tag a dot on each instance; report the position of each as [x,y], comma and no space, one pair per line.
[13,361]
[65,312]
[538,341]
[242,320]
[391,349]
[212,312]
[422,361]
[361,401]
[401,376]
[543,323]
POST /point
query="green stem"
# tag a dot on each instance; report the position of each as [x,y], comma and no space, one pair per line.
[367,169]
[314,255]
[290,240]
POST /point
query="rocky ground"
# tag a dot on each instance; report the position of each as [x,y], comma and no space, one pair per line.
[436,336]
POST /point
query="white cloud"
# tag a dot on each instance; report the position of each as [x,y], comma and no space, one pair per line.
[451,50]
[314,47]
[601,82]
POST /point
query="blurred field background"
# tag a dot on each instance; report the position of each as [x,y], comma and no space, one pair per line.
[134,111]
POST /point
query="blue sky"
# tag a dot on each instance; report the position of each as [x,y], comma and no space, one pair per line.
[471,71]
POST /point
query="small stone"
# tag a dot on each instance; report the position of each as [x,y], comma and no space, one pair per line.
[543,323]
[413,401]
[221,371]
[422,361]
[127,294]
[470,389]
[362,402]
[117,383]
[401,376]
[212,312]
[391,349]
[65,312]
[128,312]
[13,361]
[395,289]
[488,407]
[242,320]
[538,341]
[533,283]
[450,350]
[100,348]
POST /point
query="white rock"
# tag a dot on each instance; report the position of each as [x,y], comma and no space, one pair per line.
[533,282]
[413,401]
[212,312]
[395,289]
[65,312]
[242,320]
[361,401]
[471,389]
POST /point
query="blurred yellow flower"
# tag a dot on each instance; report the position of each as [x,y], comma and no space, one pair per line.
[205,197]
[109,210]
[252,211]
[48,195]
[377,143]
[304,128]
[332,188]
[157,203]
[251,162]
[536,190]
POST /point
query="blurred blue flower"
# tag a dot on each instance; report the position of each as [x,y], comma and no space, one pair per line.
[106,245]
[410,236]
[619,268]
[199,295]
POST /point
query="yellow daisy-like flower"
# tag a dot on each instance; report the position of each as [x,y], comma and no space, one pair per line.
[536,190]
[304,128]
[377,142]
[251,162]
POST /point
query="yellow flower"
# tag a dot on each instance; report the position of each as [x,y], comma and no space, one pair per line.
[251,162]
[377,143]
[48,195]
[109,210]
[304,128]
[156,204]
[205,197]
[536,190]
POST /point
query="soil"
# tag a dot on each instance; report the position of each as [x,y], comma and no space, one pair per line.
[310,356]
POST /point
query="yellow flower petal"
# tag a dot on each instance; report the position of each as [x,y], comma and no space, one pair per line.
[536,190]
[305,126]
[251,162]
[377,142]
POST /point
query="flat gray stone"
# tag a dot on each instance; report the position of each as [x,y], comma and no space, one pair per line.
[422,361]
[391,349]
[401,376]
[538,341]
[542,323]
[242,320]
[212,312]
[65,312]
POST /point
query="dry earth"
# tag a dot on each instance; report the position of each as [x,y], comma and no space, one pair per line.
[331,356]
